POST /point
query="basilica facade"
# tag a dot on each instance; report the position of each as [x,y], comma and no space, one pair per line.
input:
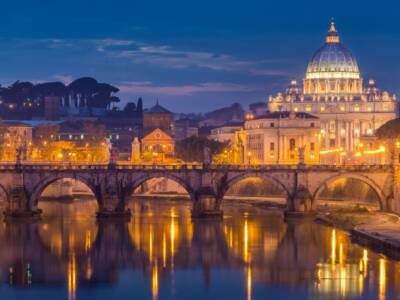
[333,90]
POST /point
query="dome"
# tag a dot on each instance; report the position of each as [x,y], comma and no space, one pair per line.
[333,60]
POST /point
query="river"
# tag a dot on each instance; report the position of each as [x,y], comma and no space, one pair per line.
[162,254]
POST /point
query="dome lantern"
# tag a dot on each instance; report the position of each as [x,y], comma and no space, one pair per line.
[333,36]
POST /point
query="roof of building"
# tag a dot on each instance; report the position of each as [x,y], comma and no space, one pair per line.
[232,124]
[157,108]
[285,115]
[157,134]
[332,60]
[28,123]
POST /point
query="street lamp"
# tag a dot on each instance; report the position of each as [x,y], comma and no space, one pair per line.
[249,157]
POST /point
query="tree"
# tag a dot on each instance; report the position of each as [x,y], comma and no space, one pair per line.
[140,106]
[43,90]
[192,148]
[130,107]
[389,130]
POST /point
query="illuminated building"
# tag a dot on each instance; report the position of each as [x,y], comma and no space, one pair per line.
[158,146]
[14,135]
[226,132]
[281,137]
[333,91]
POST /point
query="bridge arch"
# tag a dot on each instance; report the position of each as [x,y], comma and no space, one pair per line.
[44,183]
[237,178]
[182,182]
[375,187]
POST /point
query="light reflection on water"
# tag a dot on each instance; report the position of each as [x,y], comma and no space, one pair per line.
[162,254]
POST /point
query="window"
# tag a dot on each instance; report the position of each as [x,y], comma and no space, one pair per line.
[272,124]
[332,143]
[312,124]
[312,146]
[292,144]
[272,147]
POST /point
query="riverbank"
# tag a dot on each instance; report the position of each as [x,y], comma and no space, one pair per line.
[379,231]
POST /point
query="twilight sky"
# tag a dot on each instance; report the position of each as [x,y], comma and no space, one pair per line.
[192,55]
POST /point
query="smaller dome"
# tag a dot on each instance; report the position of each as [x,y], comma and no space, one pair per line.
[333,60]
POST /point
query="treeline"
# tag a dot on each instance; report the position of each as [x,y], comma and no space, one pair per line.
[27,97]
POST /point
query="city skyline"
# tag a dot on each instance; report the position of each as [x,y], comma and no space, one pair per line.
[190,58]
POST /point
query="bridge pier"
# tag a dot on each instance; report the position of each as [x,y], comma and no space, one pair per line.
[206,204]
[113,208]
[18,207]
[300,205]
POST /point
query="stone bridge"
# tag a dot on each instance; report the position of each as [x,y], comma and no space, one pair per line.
[205,184]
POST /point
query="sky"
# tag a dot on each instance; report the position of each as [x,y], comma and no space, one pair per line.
[193,56]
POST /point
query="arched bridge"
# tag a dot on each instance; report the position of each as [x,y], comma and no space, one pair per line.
[206,184]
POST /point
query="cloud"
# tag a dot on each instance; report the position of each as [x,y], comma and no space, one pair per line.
[268,72]
[105,44]
[170,57]
[147,87]
[66,79]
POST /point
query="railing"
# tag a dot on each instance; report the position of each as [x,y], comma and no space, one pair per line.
[57,166]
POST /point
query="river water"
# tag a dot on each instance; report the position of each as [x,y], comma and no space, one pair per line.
[162,254]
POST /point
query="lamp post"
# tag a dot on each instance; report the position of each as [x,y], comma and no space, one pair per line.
[249,157]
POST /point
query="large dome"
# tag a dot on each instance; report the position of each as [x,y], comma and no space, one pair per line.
[332,60]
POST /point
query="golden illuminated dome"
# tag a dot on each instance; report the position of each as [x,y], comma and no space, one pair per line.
[333,60]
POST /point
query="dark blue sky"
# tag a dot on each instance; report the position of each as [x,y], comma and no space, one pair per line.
[192,55]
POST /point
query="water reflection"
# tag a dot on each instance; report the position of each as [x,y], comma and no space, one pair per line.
[161,254]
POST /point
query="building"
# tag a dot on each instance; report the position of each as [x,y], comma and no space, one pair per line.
[185,128]
[282,138]
[226,132]
[158,117]
[333,91]
[158,147]
[258,109]
[13,136]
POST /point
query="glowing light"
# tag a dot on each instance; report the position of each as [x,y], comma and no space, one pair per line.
[164,251]
[246,242]
[382,278]
[335,150]
[72,277]
[365,260]
[172,229]
[88,241]
[333,246]
[154,282]
[249,116]
[380,150]
[249,283]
